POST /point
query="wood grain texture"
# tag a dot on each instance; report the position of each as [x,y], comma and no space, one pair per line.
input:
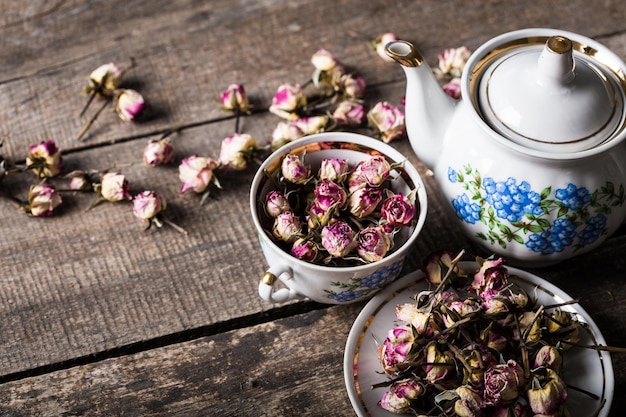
[87,283]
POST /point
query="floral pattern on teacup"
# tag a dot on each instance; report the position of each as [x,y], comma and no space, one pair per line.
[544,221]
[359,288]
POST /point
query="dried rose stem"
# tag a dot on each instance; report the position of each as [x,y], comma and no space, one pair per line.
[91,121]
[174,225]
[612,349]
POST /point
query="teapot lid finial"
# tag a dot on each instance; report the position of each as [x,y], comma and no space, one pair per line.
[549,94]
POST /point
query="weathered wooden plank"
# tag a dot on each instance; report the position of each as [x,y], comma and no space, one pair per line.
[287,367]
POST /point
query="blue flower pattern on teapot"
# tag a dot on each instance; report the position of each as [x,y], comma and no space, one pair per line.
[543,221]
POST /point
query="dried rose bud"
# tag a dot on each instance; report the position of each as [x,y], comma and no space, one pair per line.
[236,150]
[276,203]
[398,210]
[333,169]
[549,357]
[197,173]
[460,310]
[114,187]
[516,410]
[502,383]
[324,60]
[529,326]
[470,402]
[565,324]
[304,250]
[158,152]
[496,307]
[491,276]
[235,98]
[396,352]
[312,124]
[147,205]
[494,340]
[420,320]
[479,358]
[328,69]
[453,88]
[373,171]
[398,399]
[440,364]
[349,113]
[129,104]
[42,200]
[547,392]
[352,87]
[285,132]
[378,45]
[329,195]
[294,170]
[373,244]
[287,227]
[338,239]
[452,61]
[437,265]
[106,79]
[364,201]
[387,120]
[45,159]
[79,180]
[288,101]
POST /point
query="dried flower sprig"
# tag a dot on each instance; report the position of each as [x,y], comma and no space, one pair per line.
[105,83]
[476,345]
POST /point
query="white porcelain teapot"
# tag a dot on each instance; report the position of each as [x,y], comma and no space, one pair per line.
[532,159]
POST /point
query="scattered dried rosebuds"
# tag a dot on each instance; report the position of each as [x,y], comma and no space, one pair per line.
[378,45]
[128,104]
[43,199]
[387,120]
[44,159]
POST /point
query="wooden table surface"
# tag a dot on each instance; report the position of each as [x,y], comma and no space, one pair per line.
[98,318]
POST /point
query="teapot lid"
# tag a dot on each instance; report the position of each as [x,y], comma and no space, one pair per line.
[548,94]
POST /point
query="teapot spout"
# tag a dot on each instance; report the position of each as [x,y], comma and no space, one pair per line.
[428,108]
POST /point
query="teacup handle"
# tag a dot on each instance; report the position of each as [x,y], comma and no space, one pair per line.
[266,289]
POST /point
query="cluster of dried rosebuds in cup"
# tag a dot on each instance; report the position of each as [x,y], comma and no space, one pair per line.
[476,345]
[341,215]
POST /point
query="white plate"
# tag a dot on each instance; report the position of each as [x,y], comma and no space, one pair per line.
[587,369]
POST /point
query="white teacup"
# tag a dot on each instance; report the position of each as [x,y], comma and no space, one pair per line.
[333,284]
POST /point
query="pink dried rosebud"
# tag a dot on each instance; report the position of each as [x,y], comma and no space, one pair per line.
[502,383]
[106,79]
[378,45]
[338,239]
[304,250]
[460,310]
[333,169]
[288,101]
[312,124]
[236,150]
[452,61]
[129,104]
[470,402]
[352,87]
[42,200]
[364,201]
[420,320]
[45,159]
[147,205]
[440,364]
[453,88]
[494,340]
[437,265]
[373,243]
[329,196]
[79,180]
[559,321]
[158,152]
[114,187]
[398,210]
[387,120]
[324,60]
[398,399]
[547,392]
[496,307]
[373,172]
[197,173]
[349,113]
[285,132]
[235,98]
[287,227]
[549,357]
[479,358]
[276,203]
[396,352]
[294,170]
